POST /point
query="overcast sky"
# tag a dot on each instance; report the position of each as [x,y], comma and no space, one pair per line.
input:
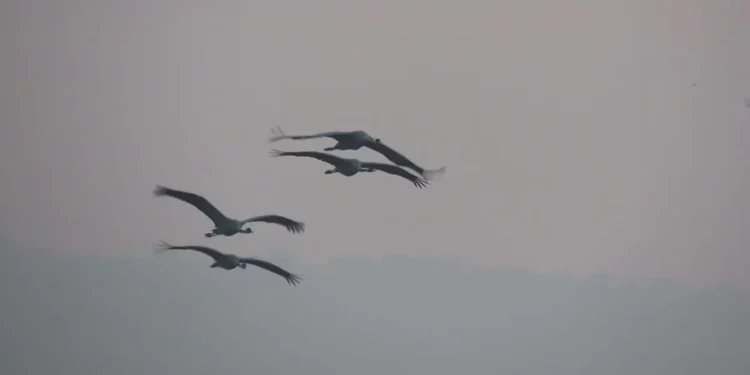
[572,137]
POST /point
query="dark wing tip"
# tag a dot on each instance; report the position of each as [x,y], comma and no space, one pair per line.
[293,279]
[296,227]
[160,190]
[420,183]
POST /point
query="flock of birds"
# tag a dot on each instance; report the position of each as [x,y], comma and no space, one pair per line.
[346,140]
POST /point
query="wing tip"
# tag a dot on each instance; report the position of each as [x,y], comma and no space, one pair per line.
[298,227]
[162,247]
[293,279]
[160,190]
[277,134]
[275,153]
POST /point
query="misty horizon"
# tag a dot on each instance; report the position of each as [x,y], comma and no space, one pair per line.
[171,314]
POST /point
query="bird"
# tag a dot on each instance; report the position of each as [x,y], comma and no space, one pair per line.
[231,261]
[354,140]
[350,167]
[223,225]
[346,140]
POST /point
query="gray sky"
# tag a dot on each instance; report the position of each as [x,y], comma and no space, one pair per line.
[572,138]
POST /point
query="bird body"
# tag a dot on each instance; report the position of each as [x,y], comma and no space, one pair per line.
[350,167]
[223,225]
[231,261]
[354,140]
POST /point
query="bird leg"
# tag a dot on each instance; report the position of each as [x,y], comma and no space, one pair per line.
[330,171]
[210,234]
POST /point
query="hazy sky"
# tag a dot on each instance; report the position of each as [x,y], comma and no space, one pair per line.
[172,314]
[573,140]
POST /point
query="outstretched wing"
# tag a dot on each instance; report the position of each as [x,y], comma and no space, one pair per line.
[399,159]
[278,134]
[291,278]
[196,200]
[398,171]
[322,156]
[213,253]
[290,225]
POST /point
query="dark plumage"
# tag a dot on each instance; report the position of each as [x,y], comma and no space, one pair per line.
[231,261]
[350,167]
[224,225]
[354,140]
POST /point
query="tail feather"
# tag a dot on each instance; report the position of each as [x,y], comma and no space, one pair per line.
[433,174]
